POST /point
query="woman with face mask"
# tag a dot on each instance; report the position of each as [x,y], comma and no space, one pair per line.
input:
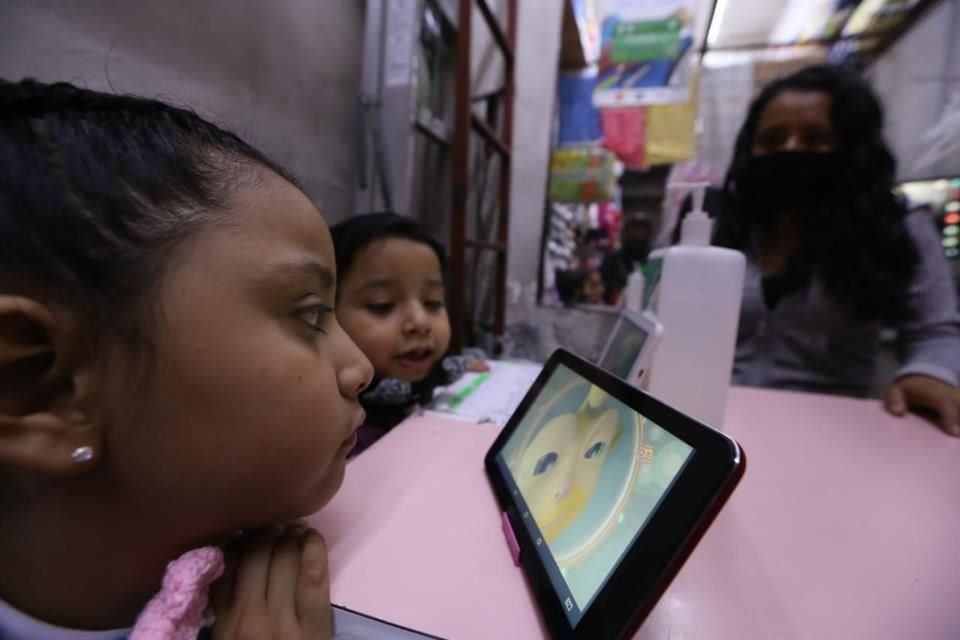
[833,254]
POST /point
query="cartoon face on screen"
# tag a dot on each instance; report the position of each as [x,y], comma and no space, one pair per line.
[559,469]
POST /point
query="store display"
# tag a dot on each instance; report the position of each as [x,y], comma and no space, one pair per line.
[579,120]
[671,131]
[625,133]
[942,195]
[582,174]
[645,53]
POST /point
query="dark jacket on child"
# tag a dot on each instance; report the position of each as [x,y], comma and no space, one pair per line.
[388,401]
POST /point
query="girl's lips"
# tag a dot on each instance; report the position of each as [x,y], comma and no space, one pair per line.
[348,445]
[351,441]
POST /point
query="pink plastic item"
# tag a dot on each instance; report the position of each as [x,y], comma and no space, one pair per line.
[177,612]
[511,537]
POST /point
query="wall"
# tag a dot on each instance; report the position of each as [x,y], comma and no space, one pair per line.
[282,73]
[916,80]
[537,57]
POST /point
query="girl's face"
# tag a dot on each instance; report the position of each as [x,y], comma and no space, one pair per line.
[248,410]
[392,305]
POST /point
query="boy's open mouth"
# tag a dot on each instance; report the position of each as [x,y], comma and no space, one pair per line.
[416,357]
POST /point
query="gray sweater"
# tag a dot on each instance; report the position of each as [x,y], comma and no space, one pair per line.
[809,343]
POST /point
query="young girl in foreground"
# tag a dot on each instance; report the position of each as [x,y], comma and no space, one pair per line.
[171,370]
[391,302]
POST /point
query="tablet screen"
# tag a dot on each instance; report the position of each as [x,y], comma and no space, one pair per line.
[586,472]
[624,348]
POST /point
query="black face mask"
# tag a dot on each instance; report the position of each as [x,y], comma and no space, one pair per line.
[790,181]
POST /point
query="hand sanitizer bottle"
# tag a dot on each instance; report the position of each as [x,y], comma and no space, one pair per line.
[633,296]
[698,302]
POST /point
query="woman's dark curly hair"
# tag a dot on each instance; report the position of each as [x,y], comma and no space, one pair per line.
[862,253]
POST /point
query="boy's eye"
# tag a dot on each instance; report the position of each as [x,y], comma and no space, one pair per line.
[380,308]
[314,315]
[434,305]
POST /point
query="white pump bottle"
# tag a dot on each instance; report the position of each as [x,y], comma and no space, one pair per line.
[698,301]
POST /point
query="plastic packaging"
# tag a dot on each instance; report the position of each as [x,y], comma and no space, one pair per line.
[697,299]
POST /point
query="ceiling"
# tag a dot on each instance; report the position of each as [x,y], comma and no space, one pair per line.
[742,23]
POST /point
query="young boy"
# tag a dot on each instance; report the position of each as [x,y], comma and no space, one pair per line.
[390,301]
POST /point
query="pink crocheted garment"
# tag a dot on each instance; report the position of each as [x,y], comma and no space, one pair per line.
[178,611]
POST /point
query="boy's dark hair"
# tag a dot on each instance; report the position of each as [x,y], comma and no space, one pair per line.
[351,236]
[98,190]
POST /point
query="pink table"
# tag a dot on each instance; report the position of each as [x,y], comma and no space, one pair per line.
[846,525]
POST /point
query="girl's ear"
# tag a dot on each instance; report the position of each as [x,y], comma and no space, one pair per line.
[45,423]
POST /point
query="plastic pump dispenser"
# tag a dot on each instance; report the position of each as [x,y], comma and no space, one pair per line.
[697,226]
[698,301]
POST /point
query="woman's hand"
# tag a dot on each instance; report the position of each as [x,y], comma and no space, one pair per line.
[923,392]
[276,585]
[477,365]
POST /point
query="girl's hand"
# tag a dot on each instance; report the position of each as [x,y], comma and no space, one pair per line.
[477,365]
[276,585]
[922,392]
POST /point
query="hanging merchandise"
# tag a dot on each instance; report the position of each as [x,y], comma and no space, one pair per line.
[585,15]
[646,53]
[625,133]
[671,131]
[582,174]
[609,216]
[579,119]
[560,245]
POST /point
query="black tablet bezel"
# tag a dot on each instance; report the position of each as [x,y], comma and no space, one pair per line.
[712,471]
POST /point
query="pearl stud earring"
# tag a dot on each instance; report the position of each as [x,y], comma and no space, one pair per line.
[82,454]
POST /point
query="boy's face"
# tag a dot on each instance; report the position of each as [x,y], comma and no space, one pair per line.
[391,303]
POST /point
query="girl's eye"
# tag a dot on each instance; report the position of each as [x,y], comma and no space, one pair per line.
[545,463]
[595,450]
[434,305]
[380,308]
[314,315]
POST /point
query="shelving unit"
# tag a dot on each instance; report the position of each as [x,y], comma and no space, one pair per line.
[432,150]
[476,309]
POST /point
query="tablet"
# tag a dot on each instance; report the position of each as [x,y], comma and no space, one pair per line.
[604,491]
[630,347]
